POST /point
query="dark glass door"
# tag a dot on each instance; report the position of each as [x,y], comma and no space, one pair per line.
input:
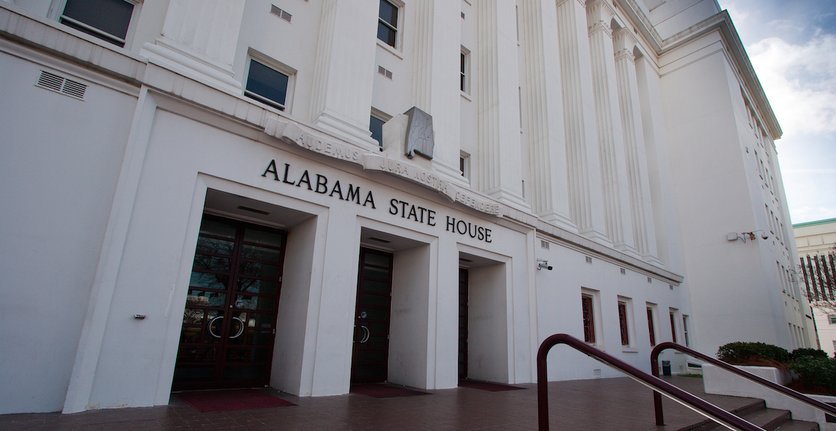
[229,322]
[369,362]
[462,323]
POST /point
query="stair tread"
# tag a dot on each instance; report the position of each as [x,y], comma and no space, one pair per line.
[798,426]
[769,419]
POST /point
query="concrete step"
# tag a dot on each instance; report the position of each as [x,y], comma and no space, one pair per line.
[707,424]
[757,413]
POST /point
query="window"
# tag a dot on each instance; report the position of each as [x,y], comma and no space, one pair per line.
[832,318]
[650,327]
[672,315]
[464,71]
[105,19]
[622,323]
[387,23]
[376,127]
[267,85]
[685,331]
[464,164]
[588,319]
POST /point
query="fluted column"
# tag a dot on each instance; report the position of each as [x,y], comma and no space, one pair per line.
[639,184]
[542,110]
[584,169]
[199,40]
[498,124]
[435,90]
[610,131]
[344,70]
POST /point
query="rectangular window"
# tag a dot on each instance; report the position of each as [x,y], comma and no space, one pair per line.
[376,127]
[588,319]
[622,323]
[267,85]
[685,331]
[672,315]
[832,319]
[387,23]
[105,19]
[464,164]
[650,327]
[464,71]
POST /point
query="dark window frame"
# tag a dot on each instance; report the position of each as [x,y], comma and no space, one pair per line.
[651,329]
[588,315]
[387,27]
[75,16]
[623,323]
[672,315]
[373,118]
[252,93]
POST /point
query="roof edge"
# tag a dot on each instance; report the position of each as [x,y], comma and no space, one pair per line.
[723,23]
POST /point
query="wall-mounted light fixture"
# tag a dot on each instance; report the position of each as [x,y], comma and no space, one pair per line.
[751,236]
[543,264]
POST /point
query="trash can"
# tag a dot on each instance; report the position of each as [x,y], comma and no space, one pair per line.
[666,368]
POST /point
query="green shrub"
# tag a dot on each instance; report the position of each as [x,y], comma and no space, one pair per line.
[816,371]
[801,353]
[749,353]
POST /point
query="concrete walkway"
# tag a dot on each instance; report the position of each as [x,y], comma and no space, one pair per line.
[603,404]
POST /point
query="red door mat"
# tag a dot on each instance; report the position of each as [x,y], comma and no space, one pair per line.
[487,386]
[382,390]
[239,399]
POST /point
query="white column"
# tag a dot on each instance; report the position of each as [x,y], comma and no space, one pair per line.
[542,112]
[436,27]
[610,130]
[199,40]
[639,184]
[344,70]
[659,175]
[587,202]
[497,96]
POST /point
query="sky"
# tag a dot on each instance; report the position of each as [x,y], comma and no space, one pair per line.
[792,46]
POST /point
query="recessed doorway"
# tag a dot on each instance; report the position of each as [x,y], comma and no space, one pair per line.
[370,355]
[229,322]
[463,323]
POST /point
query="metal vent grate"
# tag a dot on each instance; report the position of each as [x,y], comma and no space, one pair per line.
[384,71]
[74,89]
[59,84]
[283,14]
[50,81]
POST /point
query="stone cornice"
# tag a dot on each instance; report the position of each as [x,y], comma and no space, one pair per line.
[722,23]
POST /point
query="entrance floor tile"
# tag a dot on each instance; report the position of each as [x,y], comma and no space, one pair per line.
[600,404]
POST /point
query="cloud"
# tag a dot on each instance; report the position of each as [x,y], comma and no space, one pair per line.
[811,213]
[800,81]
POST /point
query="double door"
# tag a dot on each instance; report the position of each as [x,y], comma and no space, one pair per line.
[229,322]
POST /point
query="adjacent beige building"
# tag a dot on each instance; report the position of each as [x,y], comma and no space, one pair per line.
[816,243]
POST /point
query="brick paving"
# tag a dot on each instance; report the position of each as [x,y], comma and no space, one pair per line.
[602,404]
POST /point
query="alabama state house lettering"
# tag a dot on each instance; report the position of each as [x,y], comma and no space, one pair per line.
[321,184]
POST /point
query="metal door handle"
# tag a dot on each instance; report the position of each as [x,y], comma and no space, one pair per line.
[366,334]
[240,328]
[211,322]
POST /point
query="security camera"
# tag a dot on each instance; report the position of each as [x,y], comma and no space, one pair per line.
[544,264]
[764,235]
[549,267]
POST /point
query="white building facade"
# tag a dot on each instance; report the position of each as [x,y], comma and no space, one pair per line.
[204,194]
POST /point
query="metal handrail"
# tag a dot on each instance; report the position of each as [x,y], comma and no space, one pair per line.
[699,405]
[657,400]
